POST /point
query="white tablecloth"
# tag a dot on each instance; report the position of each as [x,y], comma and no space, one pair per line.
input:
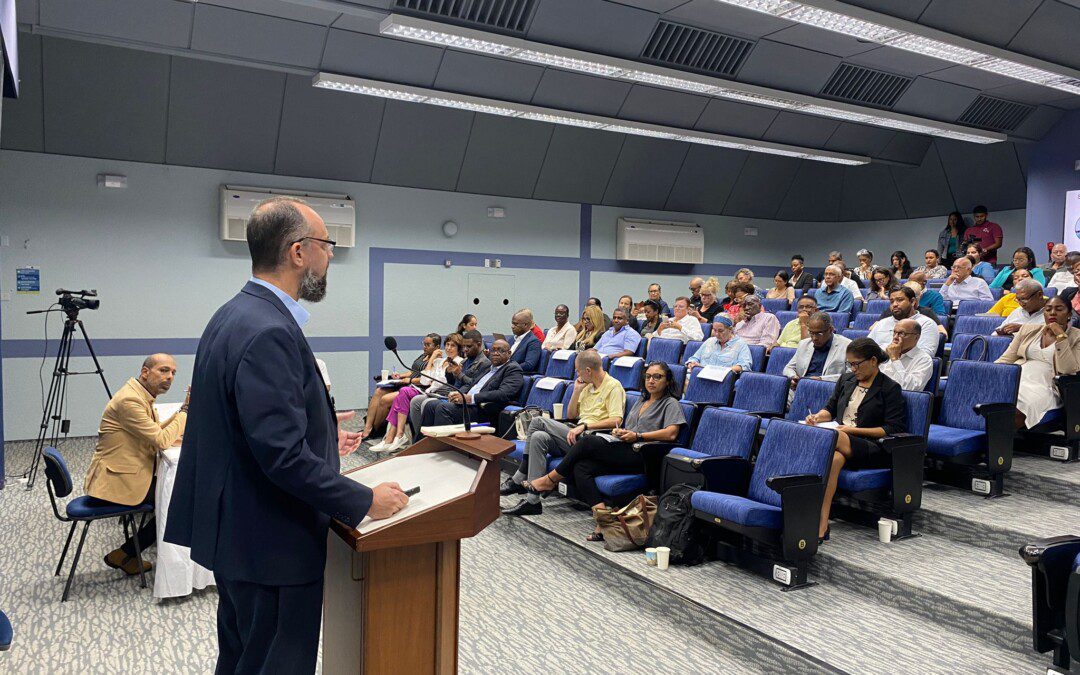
[174,574]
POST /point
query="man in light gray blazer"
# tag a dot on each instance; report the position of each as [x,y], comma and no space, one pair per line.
[820,356]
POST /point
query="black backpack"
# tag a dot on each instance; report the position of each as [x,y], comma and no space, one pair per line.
[676,527]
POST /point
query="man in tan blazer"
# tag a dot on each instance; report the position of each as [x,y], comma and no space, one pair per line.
[130,436]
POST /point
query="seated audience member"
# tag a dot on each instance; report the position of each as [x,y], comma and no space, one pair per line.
[654,295]
[832,297]
[902,305]
[800,278]
[798,328]
[757,327]
[562,334]
[397,432]
[1028,295]
[882,283]
[950,242]
[928,297]
[1063,278]
[866,264]
[961,285]
[980,267]
[129,439]
[737,291]
[928,312]
[835,258]
[819,356]
[1007,302]
[1023,259]
[933,269]
[985,233]
[708,305]
[901,267]
[383,398]
[907,365]
[1043,352]
[475,366]
[695,292]
[526,348]
[595,302]
[619,340]
[626,303]
[746,276]
[681,326]
[467,323]
[592,327]
[868,405]
[781,289]
[454,353]
[847,282]
[656,417]
[597,403]
[1058,254]
[486,397]
[653,318]
[723,349]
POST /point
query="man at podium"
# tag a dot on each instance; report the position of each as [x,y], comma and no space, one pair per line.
[258,479]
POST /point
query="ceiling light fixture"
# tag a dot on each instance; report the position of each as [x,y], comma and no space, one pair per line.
[401,92]
[621,69]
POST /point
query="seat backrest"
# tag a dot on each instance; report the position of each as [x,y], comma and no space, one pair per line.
[757,358]
[527,383]
[758,392]
[998,345]
[790,449]
[722,433]
[935,375]
[564,370]
[701,390]
[876,306]
[854,334]
[678,374]
[628,376]
[641,345]
[865,320]
[632,398]
[663,349]
[810,396]
[785,318]
[568,393]
[56,472]
[774,305]
[686,432]
[542,397]
[1050,292]
[778,358]
[545,358]
[973,382]
[961,343]
[996,293]
[973,307]
[976,325]
[839,319]
[920,405]
[692,347]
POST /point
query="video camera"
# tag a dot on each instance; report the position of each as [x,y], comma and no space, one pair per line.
[73,301]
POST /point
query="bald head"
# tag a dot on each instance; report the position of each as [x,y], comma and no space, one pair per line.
[907,332]
[157,373]
[499,352]
[919,277]
[522,322]
[961,267]
[695,285]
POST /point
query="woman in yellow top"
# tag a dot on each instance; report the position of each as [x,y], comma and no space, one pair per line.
[1008,303]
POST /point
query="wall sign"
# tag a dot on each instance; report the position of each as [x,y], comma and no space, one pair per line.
[27,280]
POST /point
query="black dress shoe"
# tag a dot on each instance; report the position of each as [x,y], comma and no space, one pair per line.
[509,487]
[524,508]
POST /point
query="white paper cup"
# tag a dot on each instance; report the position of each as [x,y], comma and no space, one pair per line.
[650,556]
[663,556]
[557,410]
[885,530]
[385,375]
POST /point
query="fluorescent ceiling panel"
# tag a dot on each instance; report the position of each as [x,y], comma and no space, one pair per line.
[400,92]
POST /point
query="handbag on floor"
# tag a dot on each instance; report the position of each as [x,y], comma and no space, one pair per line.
[627,528]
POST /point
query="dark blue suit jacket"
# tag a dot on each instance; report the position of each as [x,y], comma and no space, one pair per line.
[258,478]
[527,354]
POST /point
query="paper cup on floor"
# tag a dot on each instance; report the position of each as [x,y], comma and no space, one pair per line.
[385,375]
[557,410]
[650,556]
[884,530]
[663,556]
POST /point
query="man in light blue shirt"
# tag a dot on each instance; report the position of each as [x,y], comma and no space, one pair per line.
[723,349]
[832,297]
[620,339]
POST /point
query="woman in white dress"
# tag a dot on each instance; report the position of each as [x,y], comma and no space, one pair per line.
[1043,351]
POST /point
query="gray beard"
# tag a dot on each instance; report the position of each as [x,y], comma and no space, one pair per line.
[312,287]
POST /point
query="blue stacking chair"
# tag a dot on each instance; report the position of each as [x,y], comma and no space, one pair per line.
[760,393]
[973,307]
[705,392]
[876,307]
[757,358]
[1055,598]
[864,321]
[854,333]
[85,510]
[972,442]
[896,491]
[6,633]
[976,325]
[619,488]
[775,305]
[782,504]
[691,348]
[663,349]
[564,370]
[778,358]
[719,459]
[628,376]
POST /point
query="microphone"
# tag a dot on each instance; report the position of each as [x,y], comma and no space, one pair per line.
[390,342]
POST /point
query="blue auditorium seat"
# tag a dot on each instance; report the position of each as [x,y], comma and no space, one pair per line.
[691,348]
[6,633]
[619,486]
[775,305]
[707,391]
[778,358]
[854,334]
[628,376]
[997,293]
[663,349]
[562,368]
[1050,292]
[757,358]
[545,357]
[935,378]
[544,391]
[876,307]
[1055,598]
[976,325]
[839,319]
[678,374]
[719,459]
[810,396]
[760,393]
[973,307]
[864,321]
[786,317]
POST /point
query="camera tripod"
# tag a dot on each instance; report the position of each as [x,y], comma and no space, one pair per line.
[52,416]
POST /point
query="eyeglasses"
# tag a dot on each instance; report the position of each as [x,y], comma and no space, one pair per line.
[817,333]
[330,243]
[654,376]
[901,334]
[854,365]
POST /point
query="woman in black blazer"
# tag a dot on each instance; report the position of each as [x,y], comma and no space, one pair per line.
[867,405]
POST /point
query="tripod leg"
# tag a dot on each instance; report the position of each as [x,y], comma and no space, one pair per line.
[93,355]
[53,400]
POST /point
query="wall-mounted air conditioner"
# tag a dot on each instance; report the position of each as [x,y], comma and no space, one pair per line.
[337,211]
[660,241]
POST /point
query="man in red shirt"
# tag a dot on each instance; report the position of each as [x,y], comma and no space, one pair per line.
[986,233]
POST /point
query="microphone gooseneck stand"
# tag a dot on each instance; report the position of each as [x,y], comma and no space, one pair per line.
[468,435]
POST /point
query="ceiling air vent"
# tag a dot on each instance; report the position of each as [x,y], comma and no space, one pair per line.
[864,85]
[508,16]
[995,113]
[695,49]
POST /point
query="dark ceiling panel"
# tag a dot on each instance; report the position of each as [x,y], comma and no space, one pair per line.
[581,93]
[105,101]
[578,165]
[256,36]
[898,61]
[1039,122]
[279,8]
[1050,34]
[361,23]
[870,194]
[1068,103]
[971,77]
[327,134]
[736,119]
[989,22]
[705,179]
[814,194]
[924,190]
[26,11]
[645,172]
[904,9]
[935,99]
[772,64]
[380,58]
[859,139]
[906,147]
[504,156]
[485,76]
[651,5]
[1023,92]
[605,27]
[809,37]
[726,18]
[983,174]
[762,184]
[662,106]
[223,116]
[22,127]
[409,133]
[165,22]
[796,129]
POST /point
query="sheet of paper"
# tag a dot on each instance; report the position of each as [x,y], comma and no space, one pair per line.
[547,383]
[563,354]
[714,373]
[442,476]
[166,410]
[823,425]
[627,361]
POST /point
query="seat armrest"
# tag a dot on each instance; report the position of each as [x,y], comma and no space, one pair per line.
[767,415]
[1069,386]
[800,504]
[653,453]
[728,474]
[1000,430]
[780,483]
[1040,550]
[907,453]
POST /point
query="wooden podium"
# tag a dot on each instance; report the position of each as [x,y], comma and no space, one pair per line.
[390,601]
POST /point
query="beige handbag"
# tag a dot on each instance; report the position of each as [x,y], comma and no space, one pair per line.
[626,529]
